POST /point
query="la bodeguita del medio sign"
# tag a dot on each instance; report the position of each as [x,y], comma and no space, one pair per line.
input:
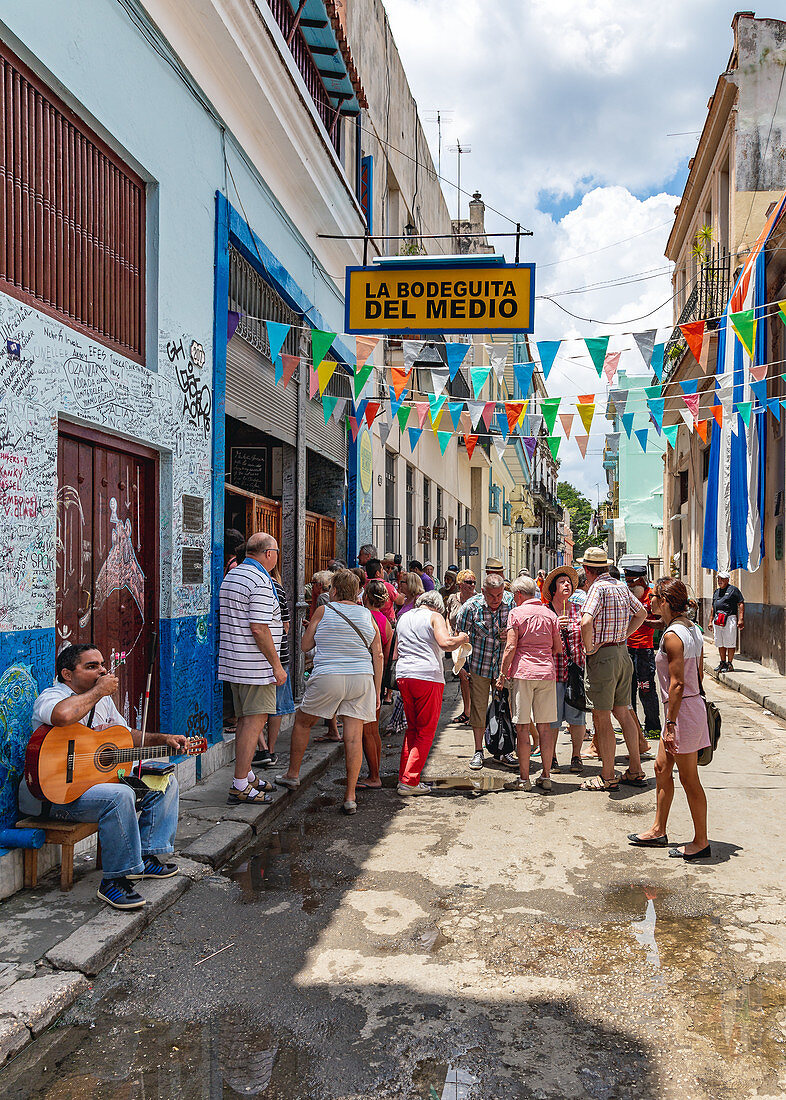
[450,299]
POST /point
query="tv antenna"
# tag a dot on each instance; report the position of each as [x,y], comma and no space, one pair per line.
[460,150]
[439,115]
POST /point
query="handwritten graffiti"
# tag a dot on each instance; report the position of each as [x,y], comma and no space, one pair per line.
[174,351]
[198,722]
[197,402]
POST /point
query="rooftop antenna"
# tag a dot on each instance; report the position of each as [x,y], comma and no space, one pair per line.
[439,116]
[460,150]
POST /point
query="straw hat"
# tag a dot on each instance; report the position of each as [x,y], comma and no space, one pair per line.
[566,570]
[595,557]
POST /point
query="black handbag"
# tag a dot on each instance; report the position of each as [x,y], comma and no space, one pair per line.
[500,737]
[714,725]
[575,692]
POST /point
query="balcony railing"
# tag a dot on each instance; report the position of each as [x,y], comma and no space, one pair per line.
[706,303]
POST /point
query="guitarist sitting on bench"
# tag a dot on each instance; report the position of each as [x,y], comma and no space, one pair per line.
[130,847]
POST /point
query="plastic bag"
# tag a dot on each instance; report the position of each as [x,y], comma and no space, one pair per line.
[500,736]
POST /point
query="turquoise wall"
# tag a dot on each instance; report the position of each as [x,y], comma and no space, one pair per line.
[640,479]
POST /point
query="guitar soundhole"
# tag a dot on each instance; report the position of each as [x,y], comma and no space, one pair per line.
[106,758]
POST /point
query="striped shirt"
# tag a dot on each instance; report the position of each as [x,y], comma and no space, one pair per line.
[282,603]
[246,596]
[338,647]
[484,627]
[612,606]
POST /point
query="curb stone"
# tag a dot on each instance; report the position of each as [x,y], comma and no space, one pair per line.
[36,1002]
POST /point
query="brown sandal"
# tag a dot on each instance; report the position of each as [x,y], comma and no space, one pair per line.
[250,796]
[598,783]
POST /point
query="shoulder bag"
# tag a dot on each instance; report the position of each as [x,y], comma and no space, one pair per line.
[575,692]
[714,726]
[357,629]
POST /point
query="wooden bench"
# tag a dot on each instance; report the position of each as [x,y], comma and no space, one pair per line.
[64,833]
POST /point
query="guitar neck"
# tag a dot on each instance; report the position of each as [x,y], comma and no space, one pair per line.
[143,752]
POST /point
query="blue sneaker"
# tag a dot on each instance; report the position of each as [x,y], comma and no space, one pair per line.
[155,869]
[120,894]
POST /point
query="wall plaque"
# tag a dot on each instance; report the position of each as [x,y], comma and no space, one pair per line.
[193,513]
[193,571]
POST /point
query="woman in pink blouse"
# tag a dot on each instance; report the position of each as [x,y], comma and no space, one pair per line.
[558,587]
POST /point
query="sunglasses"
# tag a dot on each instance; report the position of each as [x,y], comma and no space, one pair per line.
[469,584]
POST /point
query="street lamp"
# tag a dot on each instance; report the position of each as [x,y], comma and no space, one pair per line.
[519,525]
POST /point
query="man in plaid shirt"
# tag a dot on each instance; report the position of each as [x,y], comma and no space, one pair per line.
[610,614]
[485,619]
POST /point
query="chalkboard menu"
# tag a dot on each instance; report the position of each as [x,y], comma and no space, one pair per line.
[193,565]
[248,469]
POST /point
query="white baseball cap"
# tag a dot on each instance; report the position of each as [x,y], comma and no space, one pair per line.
[724,575]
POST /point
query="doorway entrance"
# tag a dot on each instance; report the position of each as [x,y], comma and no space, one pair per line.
[107,557]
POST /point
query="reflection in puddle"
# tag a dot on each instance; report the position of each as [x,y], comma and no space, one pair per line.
[746,1018]
[140,1058]
[644,931]
[439,1080]
[276,867]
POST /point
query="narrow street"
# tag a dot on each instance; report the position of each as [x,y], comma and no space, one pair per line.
[510,945]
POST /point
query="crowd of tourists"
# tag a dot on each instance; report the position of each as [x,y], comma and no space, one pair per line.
[561,646]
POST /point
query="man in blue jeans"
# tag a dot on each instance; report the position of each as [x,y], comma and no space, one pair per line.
[130,847]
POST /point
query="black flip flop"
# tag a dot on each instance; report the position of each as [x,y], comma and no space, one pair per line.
[651,842]
[705,853]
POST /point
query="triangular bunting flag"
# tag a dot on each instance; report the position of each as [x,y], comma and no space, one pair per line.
[320,345]
[339,410]
[488,411]
[364,346]
[553,442]
[620,400]
[549,407]
[613,443]
[469,443]
[502,424]
[439,379]
[744,409]
[774,405]
[597,346]
[611,364]
[430,353]
[759,391]
[396,400]
[671,431]
[499,445]
[581,443]
[479,377]
[435,421]
[530,444]
[535,424]
[372,408]
[354,427]
[411,350]
[627,423]
[456,353]
[399,379]
[313,383]
[403,415]
[759,372]
[289,364]
[653,391]
[383,427]
[688,419]
[421,408]
[645,342]
[566,420]
[328,407]
[435,404]
[455,409]
[744,323]
[514,410]
[498,357]
[361,377]
[586,399]
[717,412]
[694,337]
[547,350]
[524,406]
[522,372]
[657,406]
[325,373]
[701,428]
[692,402]
[690,385]
[641,434]
[359,409]
[444,438]
[586,412]
[657,360]
[475,410]
[276,335]
[414,436]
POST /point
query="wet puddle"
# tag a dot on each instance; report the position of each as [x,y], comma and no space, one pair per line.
[157,1061]
[436,1080]
[276,866]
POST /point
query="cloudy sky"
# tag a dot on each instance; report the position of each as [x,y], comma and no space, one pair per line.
[571,108]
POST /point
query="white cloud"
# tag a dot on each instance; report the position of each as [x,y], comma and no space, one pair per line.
[569,106]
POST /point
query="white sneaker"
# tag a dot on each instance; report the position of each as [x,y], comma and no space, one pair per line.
[407,791]
[477,760]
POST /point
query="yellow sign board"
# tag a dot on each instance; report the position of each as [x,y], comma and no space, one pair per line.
[448,299]
[366,462]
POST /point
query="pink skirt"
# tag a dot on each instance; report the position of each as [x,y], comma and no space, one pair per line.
[692,732]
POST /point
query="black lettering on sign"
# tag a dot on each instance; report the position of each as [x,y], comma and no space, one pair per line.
[436,310]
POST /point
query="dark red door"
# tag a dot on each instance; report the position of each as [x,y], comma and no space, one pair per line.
[107,561]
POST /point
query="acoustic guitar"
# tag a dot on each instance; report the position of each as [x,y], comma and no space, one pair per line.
[62,762]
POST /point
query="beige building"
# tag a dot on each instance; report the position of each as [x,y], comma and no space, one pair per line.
[736,179]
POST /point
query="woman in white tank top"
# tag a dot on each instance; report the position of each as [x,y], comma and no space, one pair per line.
[422,638]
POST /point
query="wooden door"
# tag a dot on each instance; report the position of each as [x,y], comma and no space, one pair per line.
[107,561]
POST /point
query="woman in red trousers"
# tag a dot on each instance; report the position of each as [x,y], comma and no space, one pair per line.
[422,638]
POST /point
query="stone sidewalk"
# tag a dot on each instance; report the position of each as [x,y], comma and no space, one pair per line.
[751,679]
[54,942]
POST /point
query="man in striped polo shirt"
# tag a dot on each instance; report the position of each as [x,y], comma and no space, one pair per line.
[248,656]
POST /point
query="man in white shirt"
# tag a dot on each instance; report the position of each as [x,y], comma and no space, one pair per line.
[248,657]
[130,848]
